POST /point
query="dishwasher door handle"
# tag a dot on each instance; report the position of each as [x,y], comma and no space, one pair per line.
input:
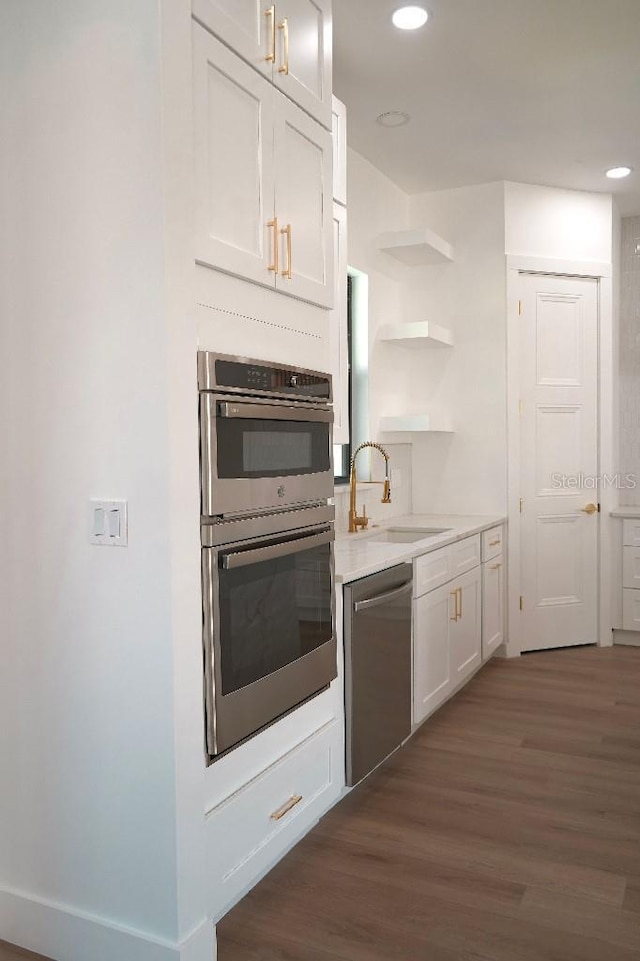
[382,598]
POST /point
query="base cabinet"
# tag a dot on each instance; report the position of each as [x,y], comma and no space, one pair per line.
[493,606]
[465,644]
[447,636]
[249,831]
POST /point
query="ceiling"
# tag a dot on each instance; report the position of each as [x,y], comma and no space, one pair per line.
[536,91]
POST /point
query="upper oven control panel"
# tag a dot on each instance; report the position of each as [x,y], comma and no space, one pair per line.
[246,376]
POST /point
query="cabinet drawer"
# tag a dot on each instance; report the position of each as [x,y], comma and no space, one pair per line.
[492,543]
[631,532]
[431,570]
[465,555]
[250,830]
[630,609]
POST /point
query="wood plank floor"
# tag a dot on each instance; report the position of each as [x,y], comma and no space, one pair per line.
[508,829]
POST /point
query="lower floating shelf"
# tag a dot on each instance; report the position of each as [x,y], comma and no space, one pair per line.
[414,423]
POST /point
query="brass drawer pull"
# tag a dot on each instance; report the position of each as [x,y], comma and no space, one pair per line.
[274,225]
[284,26]
[455,614]
[287,232]
[271,13]
[286,807]
[494,567]
[494,543]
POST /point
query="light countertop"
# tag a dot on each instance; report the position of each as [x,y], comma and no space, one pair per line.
[358,555]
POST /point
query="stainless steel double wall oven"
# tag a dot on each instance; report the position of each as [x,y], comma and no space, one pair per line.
[267,542]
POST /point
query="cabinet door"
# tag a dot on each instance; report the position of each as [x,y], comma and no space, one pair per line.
[431,660]
[247,26]
[303,205]
[492,606]
[303,55]
[339,339]
[465,640]
[234,171]
[339,131]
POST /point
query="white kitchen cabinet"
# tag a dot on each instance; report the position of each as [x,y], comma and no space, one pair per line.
[339,131]
[262,179]
[465,638]
[631,532]
[247,26]
[288,41]
[431,662]
[303,208]
[303,55]
[447,628]
[339,338]
[631,567]
[493,605]
[253,828]
[234,122]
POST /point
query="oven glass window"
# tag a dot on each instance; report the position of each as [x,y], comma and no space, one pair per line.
[270,448]
[273,613]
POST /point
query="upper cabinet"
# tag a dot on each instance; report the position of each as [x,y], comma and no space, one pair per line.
[262,178]
[339,130]
[289,42]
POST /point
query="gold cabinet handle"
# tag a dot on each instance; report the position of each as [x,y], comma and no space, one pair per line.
[274,225]
[590,509]
[494,567]
[286,807]
[460,592]
[284,26]
[494,543]
[271,13]
[455,613]
[287,271]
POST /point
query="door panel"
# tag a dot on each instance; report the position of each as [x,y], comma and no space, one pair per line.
[559,461]
[243,24]
[492,606]
[233,122]
[465,633]
[431,662]
[308,80]
[303,199]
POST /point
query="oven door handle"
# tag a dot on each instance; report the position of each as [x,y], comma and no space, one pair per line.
[235,559]
[272,412]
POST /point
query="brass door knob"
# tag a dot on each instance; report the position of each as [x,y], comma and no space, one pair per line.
[590,509]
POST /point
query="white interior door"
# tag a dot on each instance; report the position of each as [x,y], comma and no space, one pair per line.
[234,165]
[559,461]
[304,204]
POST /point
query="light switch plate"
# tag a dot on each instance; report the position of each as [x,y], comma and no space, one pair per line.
[108,523]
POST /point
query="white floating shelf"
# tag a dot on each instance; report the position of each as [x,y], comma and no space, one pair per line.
[420,334]
[416,247]
[413,423]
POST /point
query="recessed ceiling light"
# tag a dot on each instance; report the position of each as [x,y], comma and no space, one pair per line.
[410,18]
[393,118]
[616,173]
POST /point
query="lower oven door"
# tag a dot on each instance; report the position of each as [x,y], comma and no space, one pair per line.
[269,638]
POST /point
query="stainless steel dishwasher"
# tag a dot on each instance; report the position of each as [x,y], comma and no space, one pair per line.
[377,618]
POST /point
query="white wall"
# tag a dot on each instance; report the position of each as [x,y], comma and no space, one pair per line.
[462,472]
[376,205]
[557,224]
[88,799]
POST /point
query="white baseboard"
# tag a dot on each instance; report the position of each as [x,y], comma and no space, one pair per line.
[628,638]
[60,933]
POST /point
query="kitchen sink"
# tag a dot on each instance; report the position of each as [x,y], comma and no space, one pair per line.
[406,535]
